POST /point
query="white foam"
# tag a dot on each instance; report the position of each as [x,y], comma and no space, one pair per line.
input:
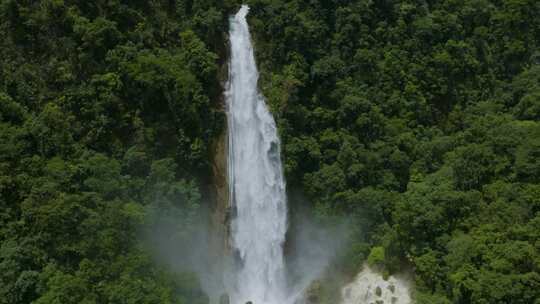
[369,287]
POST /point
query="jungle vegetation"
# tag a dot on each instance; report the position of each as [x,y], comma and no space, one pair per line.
[419,120]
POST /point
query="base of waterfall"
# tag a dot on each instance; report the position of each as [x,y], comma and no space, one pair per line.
[369,287]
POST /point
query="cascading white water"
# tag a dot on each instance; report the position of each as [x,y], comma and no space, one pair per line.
[256,182]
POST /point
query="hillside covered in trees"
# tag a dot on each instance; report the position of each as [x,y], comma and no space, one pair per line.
[107,112]
[419,121]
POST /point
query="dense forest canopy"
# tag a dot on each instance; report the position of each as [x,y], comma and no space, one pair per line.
[107,112]
[420,120]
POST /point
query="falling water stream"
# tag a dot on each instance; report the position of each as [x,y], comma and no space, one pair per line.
[256,183]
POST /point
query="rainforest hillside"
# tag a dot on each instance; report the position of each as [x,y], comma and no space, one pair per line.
[421,120]
[107,112]
[418,121]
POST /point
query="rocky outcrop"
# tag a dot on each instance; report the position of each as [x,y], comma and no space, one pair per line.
[369,287]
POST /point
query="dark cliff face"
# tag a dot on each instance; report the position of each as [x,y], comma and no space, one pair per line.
[220,206]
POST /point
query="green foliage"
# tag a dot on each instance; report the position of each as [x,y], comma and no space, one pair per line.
[417,120]
[107,111]
[376,257]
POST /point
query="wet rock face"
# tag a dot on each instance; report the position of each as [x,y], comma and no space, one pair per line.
[221,214]
[224,299]
[370,287]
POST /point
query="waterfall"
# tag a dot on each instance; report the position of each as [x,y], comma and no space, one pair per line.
[256,183]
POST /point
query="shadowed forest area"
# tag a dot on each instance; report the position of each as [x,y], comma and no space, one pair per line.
[419,121]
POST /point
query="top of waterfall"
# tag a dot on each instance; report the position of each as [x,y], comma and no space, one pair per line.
[244,10]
